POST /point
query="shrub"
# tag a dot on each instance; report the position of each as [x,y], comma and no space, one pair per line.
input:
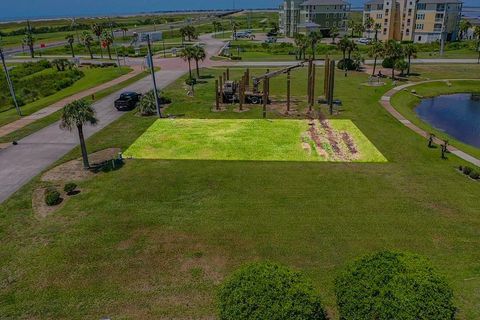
[390,285]
[388,63]
[52,197]
[190,81]
[235,58]
[350,64]
[70,188]
[147,106]
[268,291]
[467,170]
[474,175]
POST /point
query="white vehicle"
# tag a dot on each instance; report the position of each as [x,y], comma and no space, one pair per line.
[364,41]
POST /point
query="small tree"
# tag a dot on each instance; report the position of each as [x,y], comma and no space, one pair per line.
[334,33]
[401,65]
[411,52]
[465,25]
[268,291]
[198,54]
[124,30]
[301,43]
[97,30]
[87,40]
[234,29]
[313,38]
[76,115]
[394,52]
[187,54]
[390,285]
[70,40]
[29,41]
[375,51]
[377,27]
[476,34]
[368,25]
[107,40]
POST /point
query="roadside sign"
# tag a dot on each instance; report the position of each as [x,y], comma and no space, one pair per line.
[42,45]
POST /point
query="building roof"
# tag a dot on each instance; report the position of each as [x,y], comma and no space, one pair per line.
[324,2]
[440,1]
[374,2]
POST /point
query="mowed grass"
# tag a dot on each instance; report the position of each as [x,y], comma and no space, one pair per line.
[93,77]
[239,139]
[154,239]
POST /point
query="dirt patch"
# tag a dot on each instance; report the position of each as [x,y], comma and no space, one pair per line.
[39,206]
[74,171]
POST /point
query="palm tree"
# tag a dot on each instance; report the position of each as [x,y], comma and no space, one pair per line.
[77,114]
[393,51]
[234,29]
[368,24]
[198,54]
[375,51]
[87,40]
[351,26]
[401,65]
[411,52]
[465,25]
[334,32]
[124,30]
[343,46]
[301,43]
[476,34]
[377,27]
[70,40]
[313,38]
[97,30]
[216,26]
[359,29]
[29,41]
[107,41]
[187,54]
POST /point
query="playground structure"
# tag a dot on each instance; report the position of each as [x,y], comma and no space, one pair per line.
[247,90]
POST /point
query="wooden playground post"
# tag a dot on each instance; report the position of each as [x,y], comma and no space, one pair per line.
[224,77]
[265,97]
[221,88]
[228,74]
[331,85]
[240,94]
[325,82]
[217,101]
[288,91]
[314,71]
[247,78]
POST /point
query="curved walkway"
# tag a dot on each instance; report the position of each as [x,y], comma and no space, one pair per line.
[385,102]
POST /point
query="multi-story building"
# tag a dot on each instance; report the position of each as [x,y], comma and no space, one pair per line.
[300,16]
[414,20]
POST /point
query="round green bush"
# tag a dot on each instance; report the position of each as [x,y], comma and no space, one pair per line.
[391,285]
[262,291]
[350,64]
[388,63]
[70,187]
[52,197]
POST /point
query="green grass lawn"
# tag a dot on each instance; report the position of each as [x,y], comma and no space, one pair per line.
[93,77]
[154,239]
[234,139]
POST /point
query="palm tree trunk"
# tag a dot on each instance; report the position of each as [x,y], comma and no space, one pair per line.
[374,66]
[198,69]
[393,73]
[109,53]
[90,52]
[313,51]
[32,52]
[73,52]
[100,44]
[190,68]
[409,62]
[83,147]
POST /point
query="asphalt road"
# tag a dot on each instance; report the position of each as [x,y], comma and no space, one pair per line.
[20,163]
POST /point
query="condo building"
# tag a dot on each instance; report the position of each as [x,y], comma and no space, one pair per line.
[300,16]
[414,20]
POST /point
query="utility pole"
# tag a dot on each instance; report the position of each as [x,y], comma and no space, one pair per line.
[113,39]
[152,69]
[10,83]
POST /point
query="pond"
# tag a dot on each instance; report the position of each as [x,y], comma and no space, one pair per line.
[458,115]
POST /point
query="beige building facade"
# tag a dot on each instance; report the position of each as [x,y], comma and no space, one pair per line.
[420,21]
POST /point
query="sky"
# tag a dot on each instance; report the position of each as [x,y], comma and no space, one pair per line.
[53,8]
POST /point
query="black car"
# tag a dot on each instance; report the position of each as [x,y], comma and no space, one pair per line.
[127,101]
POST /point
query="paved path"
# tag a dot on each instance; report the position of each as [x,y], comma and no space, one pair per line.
[24,121]
[33,154]
[385,102]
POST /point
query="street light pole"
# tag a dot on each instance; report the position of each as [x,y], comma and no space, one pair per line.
[10,83]
[152,69]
